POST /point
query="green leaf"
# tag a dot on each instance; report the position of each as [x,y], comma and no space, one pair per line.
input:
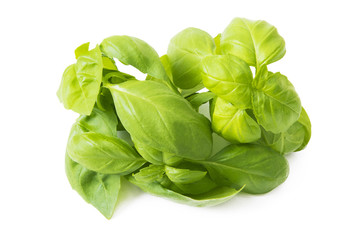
[155,156]
[217,44]
[103,154]
[185,51]
[137,53]
[214,197]
[99,121]
[294,139]
[229,77]
[80,83]
[304,120]
[258,167]
[276,104]
[82,50]
[184,176]
[100,190]
[256,42]
[149,174]
[198,99]
[174,126]
[232,123]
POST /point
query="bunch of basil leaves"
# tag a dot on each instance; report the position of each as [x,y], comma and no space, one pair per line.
[169,152]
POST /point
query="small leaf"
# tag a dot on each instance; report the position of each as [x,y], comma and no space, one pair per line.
[256,42]
[184,176]
[80,83]
[232,123]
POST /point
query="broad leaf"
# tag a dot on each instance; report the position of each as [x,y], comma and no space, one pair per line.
[276,104]
[150,174]
[80,83]
[155,156]
[256,42]
[185,51]
[232,123]
[184,176]
[214,197]
[137,53]
[103,154]
[229,77]
[100,190]
[174,126]
[258,167]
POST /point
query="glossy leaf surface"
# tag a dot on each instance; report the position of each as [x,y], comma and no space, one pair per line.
[256,42]
[100,190]
[81,81]
[214,197]
[174,126]
[185,51]
[258,167]
[104,154]
[232,123]
[276,104]
[228,77]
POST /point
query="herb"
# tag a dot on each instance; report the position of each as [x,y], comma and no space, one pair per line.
[169,153]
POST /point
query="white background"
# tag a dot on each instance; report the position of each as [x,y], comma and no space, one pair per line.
[319,200]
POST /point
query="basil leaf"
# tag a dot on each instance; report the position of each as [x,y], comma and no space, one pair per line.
[80,83]
[304,120]
[184,176]
[232,123]
[150,173]
[100,190]
[214,197]
[229,77]
[294,139]
[276,104]
[137,53]
[256,42]
[155,156]
[185,51]
[174,126]
[258,167]
[104,122]
[198,99]
[103,154]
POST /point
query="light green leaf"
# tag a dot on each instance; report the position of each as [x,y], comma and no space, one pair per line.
[304,120]
[229,77]
[276,104]
[256,42]
[150,174]
[155,156]
[174,126]
[185,51]
[232,123]
[103,154]
[99,121]
[214,197]
[217,44]
[292,140]
[100,190]
[258,167]
[82,50]
[137,53]
[184,176]
[198,99]
[80,83]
